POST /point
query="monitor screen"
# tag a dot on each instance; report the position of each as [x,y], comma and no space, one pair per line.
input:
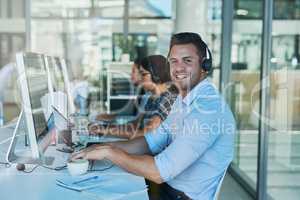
[56,74]
[37,81]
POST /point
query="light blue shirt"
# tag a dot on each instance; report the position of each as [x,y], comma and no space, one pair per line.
[194,145]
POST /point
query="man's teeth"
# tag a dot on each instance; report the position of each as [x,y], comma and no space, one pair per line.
[181,76]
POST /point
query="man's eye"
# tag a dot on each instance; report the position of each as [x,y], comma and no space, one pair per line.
[187,60]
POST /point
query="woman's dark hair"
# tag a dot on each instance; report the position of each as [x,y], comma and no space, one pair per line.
[158,67]
[137,62]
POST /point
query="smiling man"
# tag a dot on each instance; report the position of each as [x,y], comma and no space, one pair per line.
[191,150]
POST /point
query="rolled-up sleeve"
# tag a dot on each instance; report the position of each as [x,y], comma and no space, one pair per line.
[157,139]
[184,150]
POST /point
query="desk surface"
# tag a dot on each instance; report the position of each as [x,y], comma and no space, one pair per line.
[41,184]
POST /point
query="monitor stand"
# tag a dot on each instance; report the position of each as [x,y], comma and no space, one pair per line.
[23,156]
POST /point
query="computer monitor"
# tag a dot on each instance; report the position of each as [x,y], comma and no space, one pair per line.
[67,73]
[58,92]
[57,82]
[59,79]
[33,79]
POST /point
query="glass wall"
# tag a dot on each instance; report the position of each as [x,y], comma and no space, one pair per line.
[284,141]
[208,25]
[245,101]
[284,135]
[91,35]
[252,9]
[79,31]
[12,40]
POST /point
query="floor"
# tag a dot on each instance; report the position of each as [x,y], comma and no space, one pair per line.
[283,162]
[231,190]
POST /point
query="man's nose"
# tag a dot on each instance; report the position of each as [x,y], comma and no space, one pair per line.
[179,66]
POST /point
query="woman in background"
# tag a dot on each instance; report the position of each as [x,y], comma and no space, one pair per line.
[155,79]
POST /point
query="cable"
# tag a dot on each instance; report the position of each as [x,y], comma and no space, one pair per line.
[55,168]
[6,164]
[99,170]
[30,171]
[46,167]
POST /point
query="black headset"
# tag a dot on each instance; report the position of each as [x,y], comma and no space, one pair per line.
[207,61]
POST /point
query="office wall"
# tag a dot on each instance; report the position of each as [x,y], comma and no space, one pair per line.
[12,40]
[283,123]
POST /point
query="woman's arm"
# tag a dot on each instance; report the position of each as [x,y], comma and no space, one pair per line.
[129,131]
[106,117]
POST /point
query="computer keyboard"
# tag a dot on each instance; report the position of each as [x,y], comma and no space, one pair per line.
[86,138]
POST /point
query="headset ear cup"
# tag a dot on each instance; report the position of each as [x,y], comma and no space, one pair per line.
[206,65]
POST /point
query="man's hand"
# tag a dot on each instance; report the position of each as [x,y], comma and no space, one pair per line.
[141,165]
[94,152]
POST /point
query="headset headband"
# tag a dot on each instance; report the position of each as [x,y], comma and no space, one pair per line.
[207,54]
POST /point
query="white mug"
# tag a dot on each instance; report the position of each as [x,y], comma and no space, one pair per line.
[78,167]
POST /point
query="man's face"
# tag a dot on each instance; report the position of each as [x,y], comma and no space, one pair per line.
[184,66]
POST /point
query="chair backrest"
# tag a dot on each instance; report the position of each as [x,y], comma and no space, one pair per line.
[216,196]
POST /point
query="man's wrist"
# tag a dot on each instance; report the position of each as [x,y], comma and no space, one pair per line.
[109,152]
[112,152]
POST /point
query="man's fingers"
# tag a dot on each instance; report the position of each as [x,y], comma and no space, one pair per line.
[78,155]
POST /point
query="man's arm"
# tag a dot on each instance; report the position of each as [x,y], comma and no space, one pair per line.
[106,117]
[134,155]
[128,155]
[137,146]
[141,165]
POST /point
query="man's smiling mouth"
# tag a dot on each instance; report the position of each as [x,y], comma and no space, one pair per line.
[181,76]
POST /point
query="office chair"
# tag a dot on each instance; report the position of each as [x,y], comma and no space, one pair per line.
[216,196]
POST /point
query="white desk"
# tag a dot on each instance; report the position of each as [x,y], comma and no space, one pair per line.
[41,185]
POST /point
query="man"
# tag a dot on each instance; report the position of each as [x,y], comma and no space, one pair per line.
[193,147]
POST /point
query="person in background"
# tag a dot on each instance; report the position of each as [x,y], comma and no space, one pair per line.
[155,78]
[135,80]
[134,76]
[190,151]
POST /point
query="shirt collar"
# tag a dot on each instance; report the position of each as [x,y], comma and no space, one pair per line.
[196,91]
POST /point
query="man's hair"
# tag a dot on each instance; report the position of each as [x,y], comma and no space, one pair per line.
[189,38]
[158,67]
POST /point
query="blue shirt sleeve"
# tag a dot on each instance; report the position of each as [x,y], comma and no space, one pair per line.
[186,148]
[158,139]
